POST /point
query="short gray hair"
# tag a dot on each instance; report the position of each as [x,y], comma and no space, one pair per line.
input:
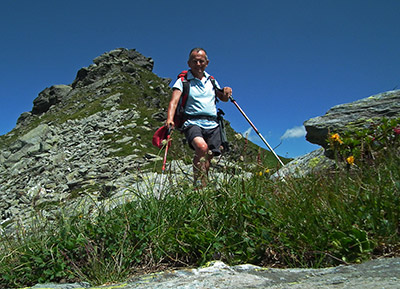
[197,49]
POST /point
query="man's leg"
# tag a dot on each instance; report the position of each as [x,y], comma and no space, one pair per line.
[201,160]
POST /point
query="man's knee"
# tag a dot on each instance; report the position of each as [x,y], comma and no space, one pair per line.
[200,145]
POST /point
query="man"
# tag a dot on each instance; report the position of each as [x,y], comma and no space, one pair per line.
[201,127]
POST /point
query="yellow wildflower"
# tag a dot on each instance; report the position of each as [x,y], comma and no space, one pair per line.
[350,160]
[260,174]
[267,171]
[336,137]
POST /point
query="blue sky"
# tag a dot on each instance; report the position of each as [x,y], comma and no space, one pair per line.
[286,60]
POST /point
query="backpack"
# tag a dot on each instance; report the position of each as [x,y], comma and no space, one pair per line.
[180,117]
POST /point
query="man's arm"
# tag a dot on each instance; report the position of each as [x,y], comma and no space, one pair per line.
[173,103]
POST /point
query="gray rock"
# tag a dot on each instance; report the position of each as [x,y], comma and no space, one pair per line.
[108,64]
[36,135]
[23,117]
[313,162]
[340,118]
[48,97]
[353,116]
[380,273]
[62,286]
[112,100]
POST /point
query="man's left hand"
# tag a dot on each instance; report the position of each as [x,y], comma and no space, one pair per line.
[226,93]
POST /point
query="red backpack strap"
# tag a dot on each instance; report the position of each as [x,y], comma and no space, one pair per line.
[179,117]
[186,86]
[183,75]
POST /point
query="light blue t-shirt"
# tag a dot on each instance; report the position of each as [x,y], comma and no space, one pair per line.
[201,100]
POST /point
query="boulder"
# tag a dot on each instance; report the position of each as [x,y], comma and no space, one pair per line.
[340,118]
[313,162]
[353,116]
[48,97]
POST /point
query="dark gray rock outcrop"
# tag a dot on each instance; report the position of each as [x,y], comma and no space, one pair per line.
[48,97]
[353,116]
[118,60]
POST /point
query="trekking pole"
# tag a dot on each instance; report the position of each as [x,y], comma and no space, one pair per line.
[166,150]
[255,129]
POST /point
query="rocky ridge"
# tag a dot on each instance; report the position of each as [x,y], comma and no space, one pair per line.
[74,138]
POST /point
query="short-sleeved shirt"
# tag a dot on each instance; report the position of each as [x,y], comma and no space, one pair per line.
[201,100]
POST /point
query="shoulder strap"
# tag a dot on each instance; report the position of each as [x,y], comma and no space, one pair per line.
[215,87]
[183,74]
[186,86]
[214,84]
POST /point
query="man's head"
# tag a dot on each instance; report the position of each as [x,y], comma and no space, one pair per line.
[198,61]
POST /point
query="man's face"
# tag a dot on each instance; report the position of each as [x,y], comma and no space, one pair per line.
[198,63]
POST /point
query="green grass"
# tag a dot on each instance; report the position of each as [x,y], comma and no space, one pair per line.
[348,216]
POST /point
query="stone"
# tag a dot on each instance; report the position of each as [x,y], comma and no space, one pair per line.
[353,116]
[112,100]
[23,117]
[313,162]
[380,273]
[48,97]
[36,135]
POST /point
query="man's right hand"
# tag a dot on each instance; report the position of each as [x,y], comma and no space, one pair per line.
[170,124]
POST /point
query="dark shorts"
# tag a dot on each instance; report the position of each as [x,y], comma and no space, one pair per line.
[211,136]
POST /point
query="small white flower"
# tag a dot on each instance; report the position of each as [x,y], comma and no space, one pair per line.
[238,136]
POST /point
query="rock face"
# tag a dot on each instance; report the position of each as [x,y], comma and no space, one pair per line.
[116,61]
[353,116]
[87,136]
